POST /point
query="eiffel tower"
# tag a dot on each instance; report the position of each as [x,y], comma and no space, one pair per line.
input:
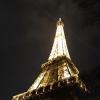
[59,77]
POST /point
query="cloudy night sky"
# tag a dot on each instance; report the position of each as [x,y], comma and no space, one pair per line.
[27,29]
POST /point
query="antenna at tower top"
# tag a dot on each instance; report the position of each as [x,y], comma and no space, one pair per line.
[59,19]
[59,22]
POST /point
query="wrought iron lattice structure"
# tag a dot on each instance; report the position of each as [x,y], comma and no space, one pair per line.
[59,76]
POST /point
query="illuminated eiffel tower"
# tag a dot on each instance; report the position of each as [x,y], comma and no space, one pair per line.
[59,78]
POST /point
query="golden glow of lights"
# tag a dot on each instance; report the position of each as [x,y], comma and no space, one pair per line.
[17,96]
[66,73]
[37,81]
[59,47]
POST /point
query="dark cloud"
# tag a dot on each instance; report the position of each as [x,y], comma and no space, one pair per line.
[27,32]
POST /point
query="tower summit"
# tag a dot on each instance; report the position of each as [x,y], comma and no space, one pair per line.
[59,77]
[59,47]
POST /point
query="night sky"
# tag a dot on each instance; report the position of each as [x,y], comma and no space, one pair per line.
[27,29]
